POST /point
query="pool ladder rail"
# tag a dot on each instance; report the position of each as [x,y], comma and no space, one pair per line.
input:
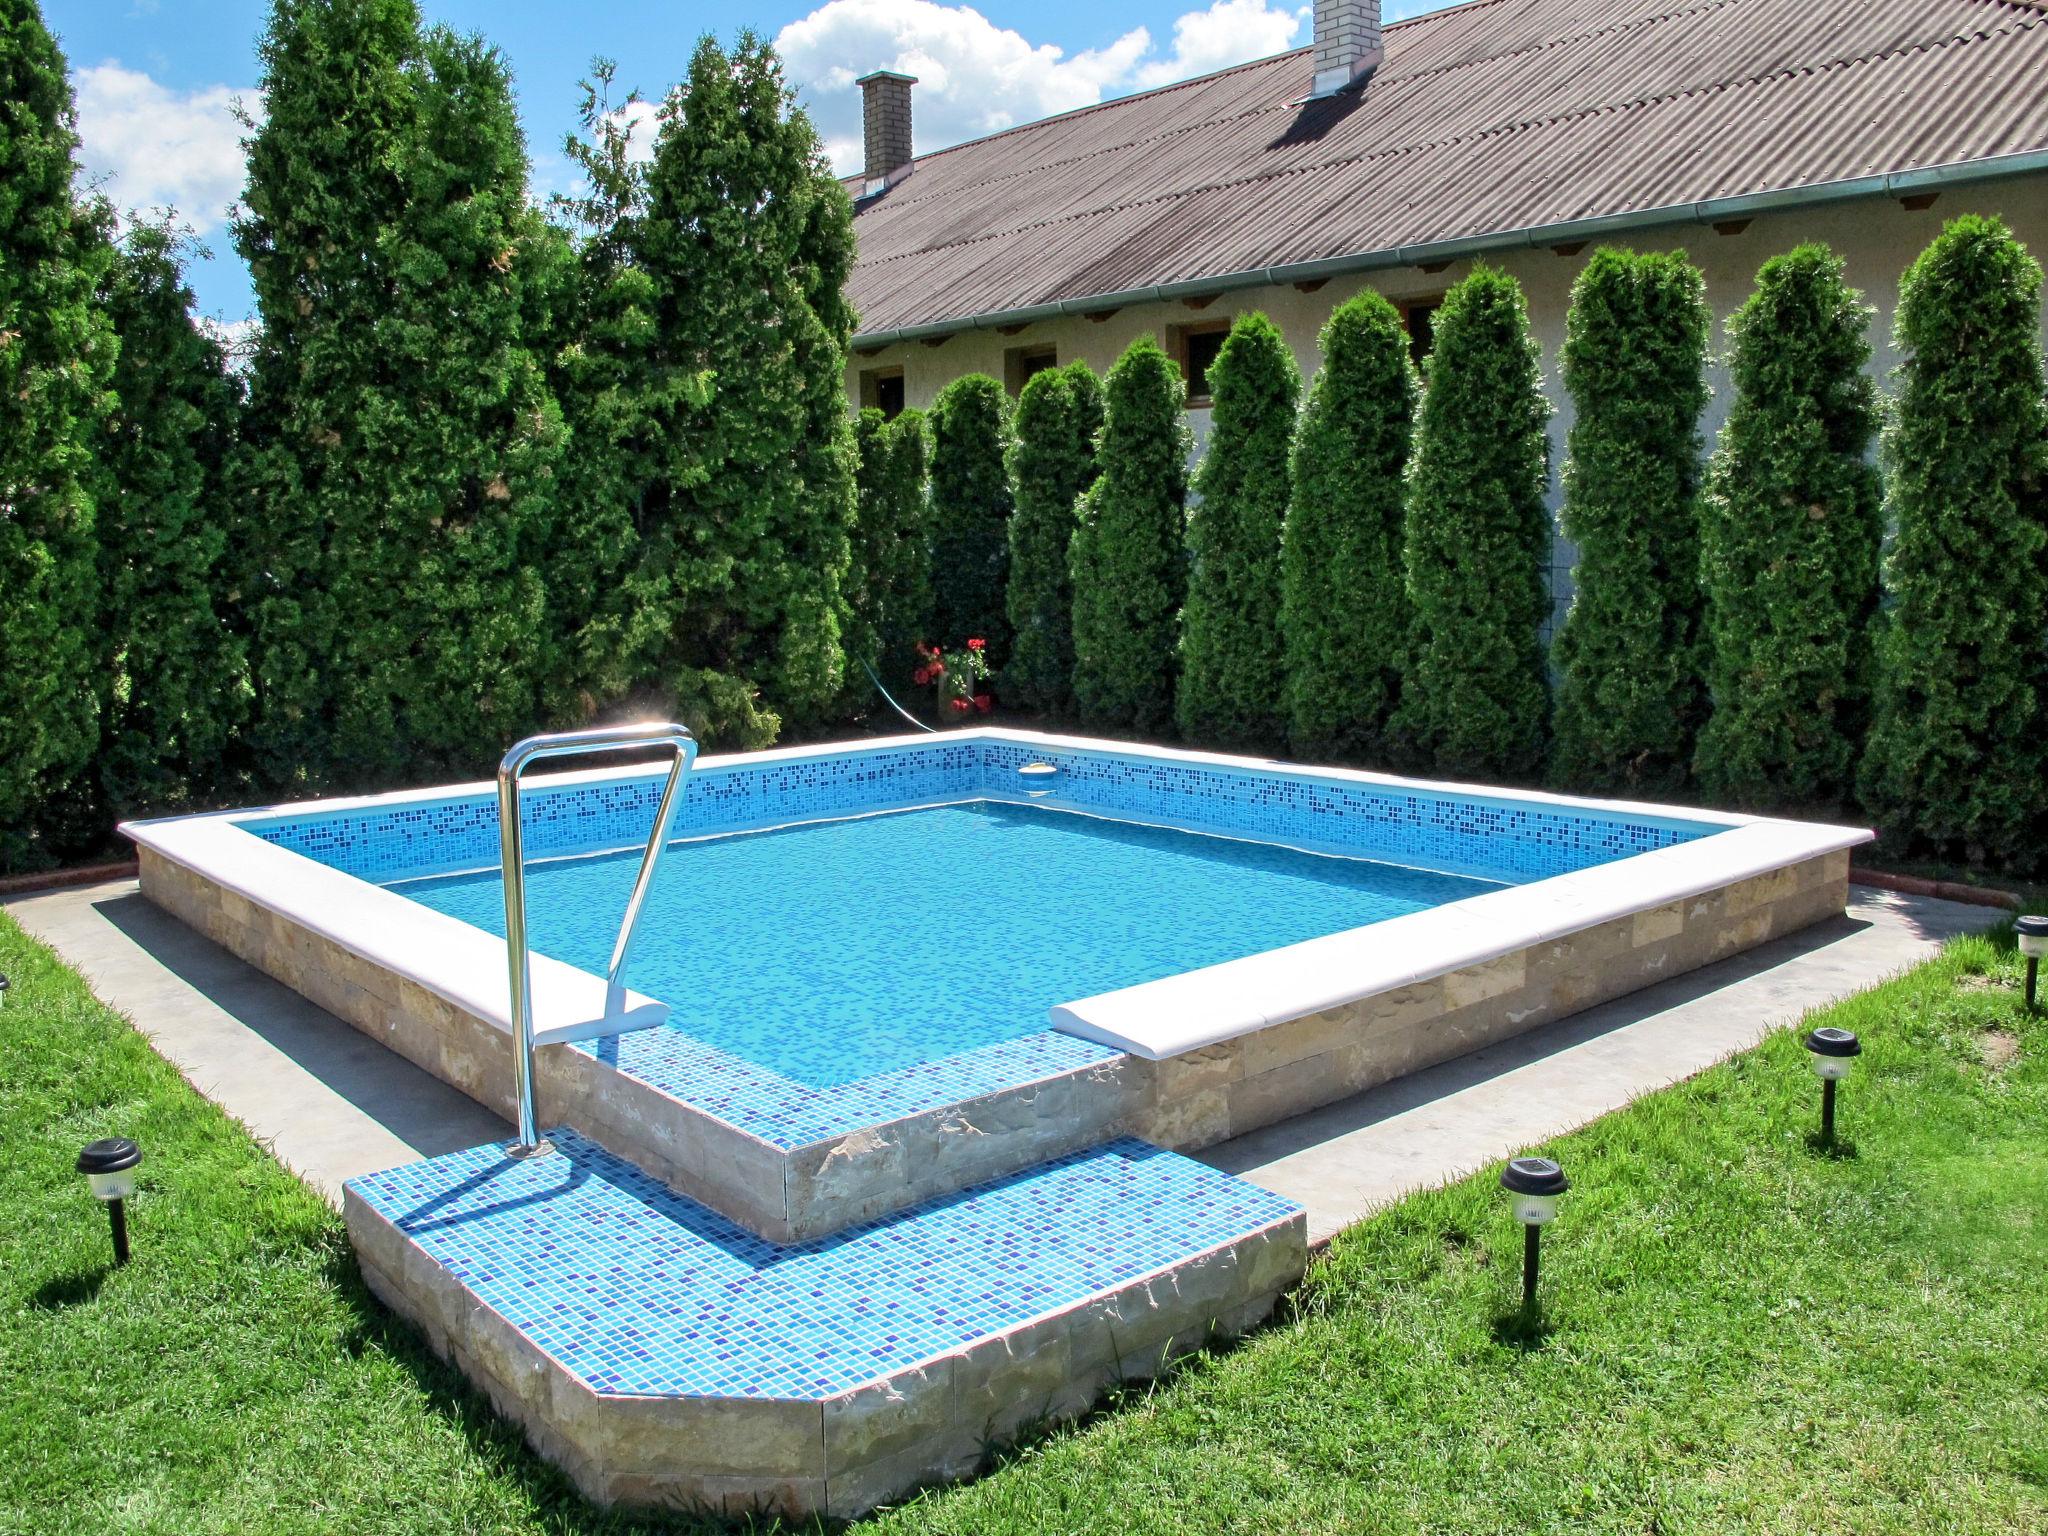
[511,847]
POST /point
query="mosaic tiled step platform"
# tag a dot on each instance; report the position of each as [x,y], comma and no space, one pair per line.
[663,1355]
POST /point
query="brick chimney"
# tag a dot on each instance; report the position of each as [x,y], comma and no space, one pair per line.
[1348,46]
[885,127]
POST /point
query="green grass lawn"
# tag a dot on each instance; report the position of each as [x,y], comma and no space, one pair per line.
[1742,1335]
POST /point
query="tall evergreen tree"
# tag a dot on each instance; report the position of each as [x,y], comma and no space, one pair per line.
[971,505]
[1956,756]
[1790,530]
[1129,557]
[57,353]
[1233,681]
[889,585]
[1478,540]
[172,670]
[1052,462]
[402,438]
[1628,659]
[1344,614]
[747,240]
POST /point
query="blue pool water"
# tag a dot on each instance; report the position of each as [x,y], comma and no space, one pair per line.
[836,951]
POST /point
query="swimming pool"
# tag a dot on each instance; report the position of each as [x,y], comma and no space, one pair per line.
[871,970]
[834,950]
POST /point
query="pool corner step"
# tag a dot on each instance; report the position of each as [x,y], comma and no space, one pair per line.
[663,1355]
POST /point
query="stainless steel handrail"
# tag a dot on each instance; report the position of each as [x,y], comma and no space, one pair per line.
[513,855]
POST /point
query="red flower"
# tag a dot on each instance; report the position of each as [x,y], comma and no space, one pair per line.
[962,705]
[984,702]
[921,676]
[938,669]
[976,644]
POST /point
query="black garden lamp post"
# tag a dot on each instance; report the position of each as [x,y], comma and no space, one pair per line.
[1833,1051]
[1535,1183]
[109,1167]
[2033,937]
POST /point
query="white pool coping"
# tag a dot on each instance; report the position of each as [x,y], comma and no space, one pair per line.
[1155,1019]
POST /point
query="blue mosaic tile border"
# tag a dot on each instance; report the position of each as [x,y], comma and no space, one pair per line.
[788,1114]
[383,843]
[643,1292]
[1494,840]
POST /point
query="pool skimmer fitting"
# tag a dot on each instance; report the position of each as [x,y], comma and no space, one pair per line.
[1535,1183]
[1038,778]
[109,1167]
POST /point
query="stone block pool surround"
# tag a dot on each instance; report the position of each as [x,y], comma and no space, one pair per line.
[1618,896]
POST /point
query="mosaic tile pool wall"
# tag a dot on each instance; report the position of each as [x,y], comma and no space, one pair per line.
[1496,840]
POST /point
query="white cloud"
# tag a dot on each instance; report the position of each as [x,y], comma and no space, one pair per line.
[975,77]
[1227,33]
[153,147]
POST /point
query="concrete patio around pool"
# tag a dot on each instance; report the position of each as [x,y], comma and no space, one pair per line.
[333,1105]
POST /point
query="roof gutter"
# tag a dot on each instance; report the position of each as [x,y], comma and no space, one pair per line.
[1712,211]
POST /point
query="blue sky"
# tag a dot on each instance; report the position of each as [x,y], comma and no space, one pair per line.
[156,78]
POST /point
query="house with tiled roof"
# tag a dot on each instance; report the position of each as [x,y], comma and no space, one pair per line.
[1519,132]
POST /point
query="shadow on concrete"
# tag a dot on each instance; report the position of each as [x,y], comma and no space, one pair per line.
[404,1099]
[1402,1095]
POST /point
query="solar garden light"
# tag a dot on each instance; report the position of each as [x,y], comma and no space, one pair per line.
[109,1167]
[2033,936]
[1832,1052]
[4,985]
[1535,1183]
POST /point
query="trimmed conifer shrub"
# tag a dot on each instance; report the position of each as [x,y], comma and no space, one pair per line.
[1233,688]
[57,353]
[172,669]
[1129,558]
[1476,700]
[1052,464]
[1344,614]
[745,521]
[971,506]
[1790,530]
[1628,658]
[400,435]
[889,583]
[1957,752]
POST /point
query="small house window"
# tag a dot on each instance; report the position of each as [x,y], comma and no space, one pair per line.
[1195,347]
[1022,364]
[1419,316]
[881,389]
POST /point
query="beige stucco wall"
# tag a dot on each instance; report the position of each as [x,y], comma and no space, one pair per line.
[1877,236]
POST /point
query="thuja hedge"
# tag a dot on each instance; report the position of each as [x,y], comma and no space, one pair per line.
[1344,613]
[1790,527]
[57,352]
[1232,690]
[1627,659]
[1957,752]
[1052,463]
[1476,700]
[1129,557]
[970,423]
[889,586]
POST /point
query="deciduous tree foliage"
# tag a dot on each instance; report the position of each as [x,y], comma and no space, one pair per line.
[1478,539]
[1958,749]
[172,670]
[57,352]
[1344,613]
[1233,687]
[889,585]
[401,436]
[1052,462]
[746,241]
[1628,659]
[1129,558]
[971,503]
[1790,529]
